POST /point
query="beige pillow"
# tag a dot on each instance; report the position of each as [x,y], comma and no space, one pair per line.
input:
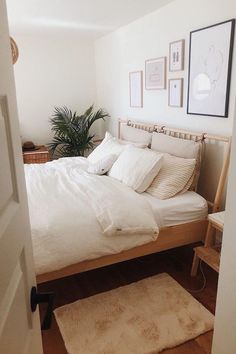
[135,135]
[136,168]
[175,146]
[174,177]
[139,145]
[181,148]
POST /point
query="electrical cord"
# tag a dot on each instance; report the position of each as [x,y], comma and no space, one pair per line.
[204,281]
[194,291]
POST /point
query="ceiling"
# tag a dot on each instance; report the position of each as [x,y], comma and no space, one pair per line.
[89,18]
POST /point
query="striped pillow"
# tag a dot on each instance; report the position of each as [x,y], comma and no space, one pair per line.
[174,177]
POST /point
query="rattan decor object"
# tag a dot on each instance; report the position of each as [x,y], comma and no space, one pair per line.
[36,156]
[14,50]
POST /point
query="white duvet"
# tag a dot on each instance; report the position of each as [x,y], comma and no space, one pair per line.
[77,216]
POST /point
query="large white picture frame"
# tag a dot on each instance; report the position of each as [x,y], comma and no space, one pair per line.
[210,62]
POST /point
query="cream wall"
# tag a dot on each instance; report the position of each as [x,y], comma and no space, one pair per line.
[51,71]
[127,48]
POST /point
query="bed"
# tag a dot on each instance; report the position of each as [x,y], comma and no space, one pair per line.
[59,253]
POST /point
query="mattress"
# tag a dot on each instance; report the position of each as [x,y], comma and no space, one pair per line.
[181,209]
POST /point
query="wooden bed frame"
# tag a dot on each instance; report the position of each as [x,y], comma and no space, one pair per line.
[169,237]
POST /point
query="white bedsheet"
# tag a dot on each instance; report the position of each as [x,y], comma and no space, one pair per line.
[183,208]
[72,233]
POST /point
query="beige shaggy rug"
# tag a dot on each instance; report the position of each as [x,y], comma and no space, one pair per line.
[141,318]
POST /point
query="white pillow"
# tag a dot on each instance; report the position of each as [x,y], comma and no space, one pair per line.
[108,146]
[174,177]
[135,135]
[136,167]
[103,165]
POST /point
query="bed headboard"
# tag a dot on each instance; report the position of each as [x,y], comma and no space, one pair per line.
[209,142]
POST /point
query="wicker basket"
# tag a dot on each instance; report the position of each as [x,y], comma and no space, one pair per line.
[37,156]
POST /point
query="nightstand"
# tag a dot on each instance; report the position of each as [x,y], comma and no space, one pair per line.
[209,253]
[97,140]
[36,156]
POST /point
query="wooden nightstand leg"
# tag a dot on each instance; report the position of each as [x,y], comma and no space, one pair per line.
[195,265]
[209,241]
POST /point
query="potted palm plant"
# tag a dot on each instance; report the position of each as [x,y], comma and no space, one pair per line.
[72,135]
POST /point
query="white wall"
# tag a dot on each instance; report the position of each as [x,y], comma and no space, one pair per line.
[51,71]
[127,48]
[224,337]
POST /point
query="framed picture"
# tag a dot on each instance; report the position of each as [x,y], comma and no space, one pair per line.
[136,89]
[176,92]
[210,62]
[176,55]
[155,74]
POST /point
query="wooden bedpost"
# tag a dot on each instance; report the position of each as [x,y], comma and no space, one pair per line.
[120,121]
[224,171]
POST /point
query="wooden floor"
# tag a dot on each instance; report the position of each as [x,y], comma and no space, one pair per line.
[177,263]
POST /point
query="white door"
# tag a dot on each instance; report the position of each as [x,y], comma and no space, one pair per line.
[19,328]
[224,340]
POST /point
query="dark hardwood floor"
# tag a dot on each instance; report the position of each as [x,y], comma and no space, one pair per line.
[176,262]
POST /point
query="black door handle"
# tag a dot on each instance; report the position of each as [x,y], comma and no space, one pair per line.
[38,298]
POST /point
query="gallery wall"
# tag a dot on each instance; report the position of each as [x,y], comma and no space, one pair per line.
[126,50]
[51,71]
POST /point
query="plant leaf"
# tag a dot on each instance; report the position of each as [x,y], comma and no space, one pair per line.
[72,132]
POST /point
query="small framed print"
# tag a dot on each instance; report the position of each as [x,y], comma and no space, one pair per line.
[176,55]
[136,89]
[176,92]
[155,74]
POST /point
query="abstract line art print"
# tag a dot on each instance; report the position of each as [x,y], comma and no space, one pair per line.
[210,62]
